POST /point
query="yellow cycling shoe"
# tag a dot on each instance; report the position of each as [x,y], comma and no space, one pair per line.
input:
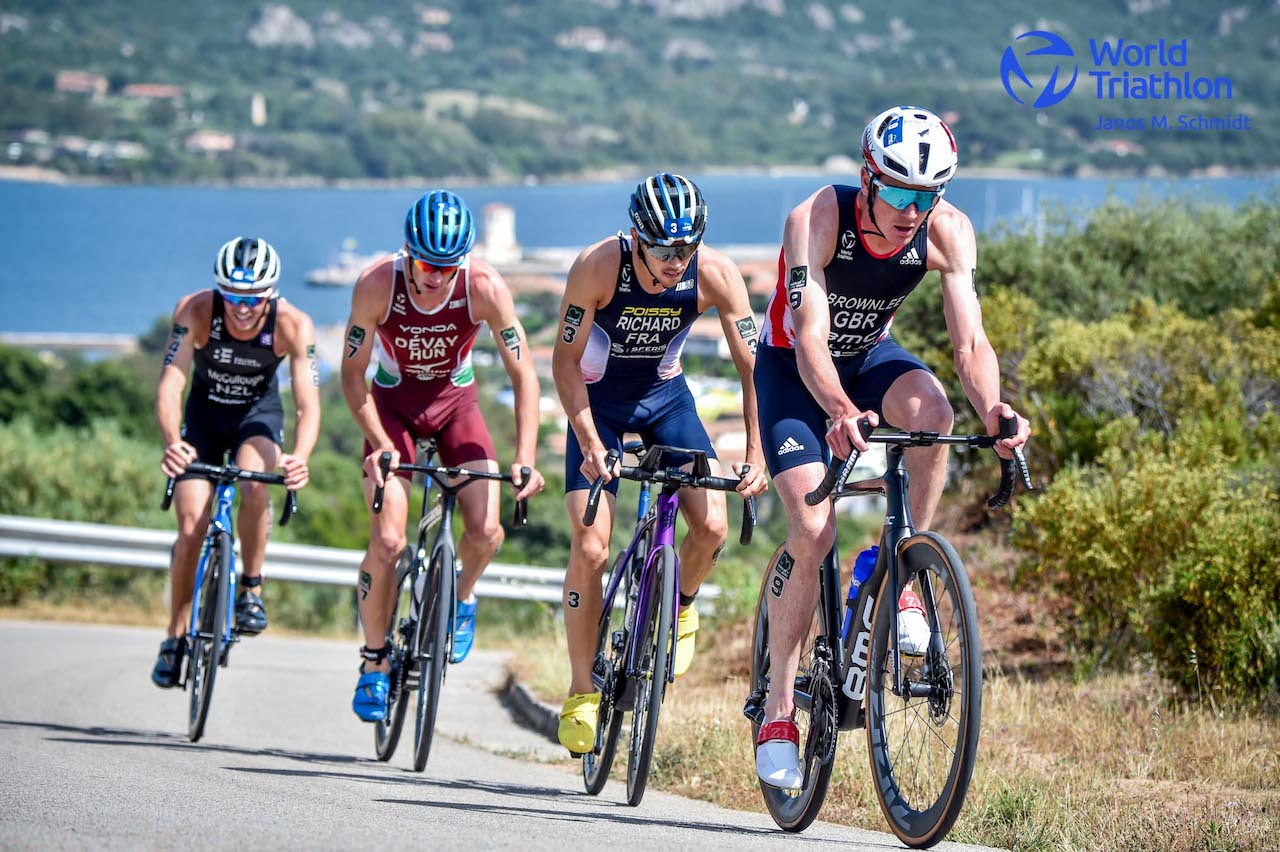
[686,634]
[578,719]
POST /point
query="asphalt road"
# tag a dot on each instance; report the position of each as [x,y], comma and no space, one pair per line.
[93,756]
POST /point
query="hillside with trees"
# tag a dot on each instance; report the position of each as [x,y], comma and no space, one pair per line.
[149,91]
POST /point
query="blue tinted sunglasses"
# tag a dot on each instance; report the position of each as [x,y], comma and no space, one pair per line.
[666,254]
[247,301]
[900,199]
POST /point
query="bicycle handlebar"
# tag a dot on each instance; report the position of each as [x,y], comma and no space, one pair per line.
[230,473]
[1010,469]
[682,478]
[519,518]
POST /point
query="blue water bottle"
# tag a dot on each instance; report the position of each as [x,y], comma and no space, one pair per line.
[862,568]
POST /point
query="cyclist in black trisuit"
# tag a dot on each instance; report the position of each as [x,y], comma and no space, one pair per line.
[233,338]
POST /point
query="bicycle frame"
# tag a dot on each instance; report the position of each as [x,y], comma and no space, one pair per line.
[219,522]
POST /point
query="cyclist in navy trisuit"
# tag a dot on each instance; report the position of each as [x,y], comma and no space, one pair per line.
[628,306]
[850,256]
[233,337]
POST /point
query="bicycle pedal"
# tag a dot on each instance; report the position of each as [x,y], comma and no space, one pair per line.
[792,793]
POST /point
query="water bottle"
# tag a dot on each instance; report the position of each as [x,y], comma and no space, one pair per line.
[862,568]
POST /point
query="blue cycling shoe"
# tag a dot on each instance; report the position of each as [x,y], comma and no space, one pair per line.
[370,701]
[464,630]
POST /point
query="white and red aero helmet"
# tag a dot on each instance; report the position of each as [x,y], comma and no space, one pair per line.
[912,145]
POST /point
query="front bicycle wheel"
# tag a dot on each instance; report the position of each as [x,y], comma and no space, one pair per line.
[206,647]
[608,673]
[433,646]
[653,663]
[386,732]
[795,811]
[923,742]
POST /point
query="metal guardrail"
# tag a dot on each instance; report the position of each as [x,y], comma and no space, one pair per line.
[131,547]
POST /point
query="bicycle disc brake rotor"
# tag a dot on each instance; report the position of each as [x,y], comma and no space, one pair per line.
[941,689]
[824,722]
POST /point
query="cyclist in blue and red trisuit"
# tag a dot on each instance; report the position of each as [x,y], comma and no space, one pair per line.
[628,306]
[850,256]
[419,312]
[232,338]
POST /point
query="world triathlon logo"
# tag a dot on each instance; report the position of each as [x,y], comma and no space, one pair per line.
[1050,45]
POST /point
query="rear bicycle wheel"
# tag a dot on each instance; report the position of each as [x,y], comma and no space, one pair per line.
[923,744]
[609,676]
[433,635]
[206,648]
[817,739]
[655,637]
[386,732]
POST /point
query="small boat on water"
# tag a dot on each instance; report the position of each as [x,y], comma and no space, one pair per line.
[345,269]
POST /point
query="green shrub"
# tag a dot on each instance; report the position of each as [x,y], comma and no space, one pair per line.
[1164,548]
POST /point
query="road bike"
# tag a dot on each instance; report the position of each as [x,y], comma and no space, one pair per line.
[418,645]
[212,631]
[636,643]
[922,714]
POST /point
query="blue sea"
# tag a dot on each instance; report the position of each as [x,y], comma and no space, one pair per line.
[111,259]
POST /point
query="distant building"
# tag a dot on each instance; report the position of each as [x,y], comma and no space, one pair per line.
[81,83]
[258,109]
[500,246]
[210,142]
[152,91]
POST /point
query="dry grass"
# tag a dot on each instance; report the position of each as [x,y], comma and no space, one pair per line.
[1112,763]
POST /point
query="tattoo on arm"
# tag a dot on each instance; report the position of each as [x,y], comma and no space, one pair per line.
[313,364]
[511,339]
[973,279]
[355,339]
[574,600]
[795,286]
[175,342]
[747,331]
[572,322]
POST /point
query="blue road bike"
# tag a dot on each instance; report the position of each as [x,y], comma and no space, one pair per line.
[211,631]
[637,641]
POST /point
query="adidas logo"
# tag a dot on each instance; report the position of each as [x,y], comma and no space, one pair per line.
[790,445]
[911,258]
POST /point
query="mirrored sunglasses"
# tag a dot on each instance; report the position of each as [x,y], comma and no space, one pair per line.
[424,266]
[666,254]
[900,198]
[248,301]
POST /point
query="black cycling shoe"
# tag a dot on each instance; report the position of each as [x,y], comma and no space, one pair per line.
[251,616]
[168,669]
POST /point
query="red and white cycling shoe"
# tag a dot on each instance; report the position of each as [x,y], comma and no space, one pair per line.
[913,629]
[778,755]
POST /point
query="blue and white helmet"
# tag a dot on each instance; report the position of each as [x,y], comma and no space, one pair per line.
[439,228]
[247,264]
[912,145]
[668,210]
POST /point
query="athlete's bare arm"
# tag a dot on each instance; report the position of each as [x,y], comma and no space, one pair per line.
[191,319]
[369,302]
[808,244]
[953,251]
[298,337]
[491,302]
[720,286]
[589,287]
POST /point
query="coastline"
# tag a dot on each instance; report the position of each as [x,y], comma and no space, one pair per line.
[613,174]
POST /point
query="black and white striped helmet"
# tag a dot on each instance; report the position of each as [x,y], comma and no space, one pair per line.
[247,264]
[668,210]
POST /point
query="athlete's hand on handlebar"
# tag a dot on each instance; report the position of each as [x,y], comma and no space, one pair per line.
[373,470]
[595,465]
[1005,446]
[844,437]
[176,457]
[754,482]
[296,472]
[528,488]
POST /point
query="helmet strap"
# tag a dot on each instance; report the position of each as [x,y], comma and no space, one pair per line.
[645,261]
[872,193]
